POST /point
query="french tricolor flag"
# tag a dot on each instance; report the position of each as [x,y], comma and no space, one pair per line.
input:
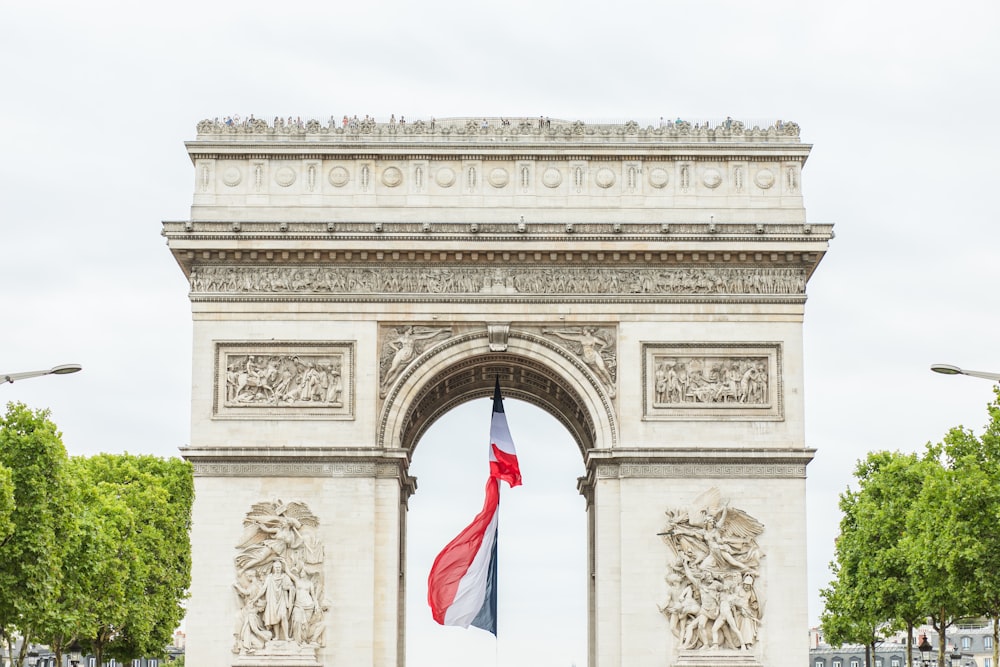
[462,585]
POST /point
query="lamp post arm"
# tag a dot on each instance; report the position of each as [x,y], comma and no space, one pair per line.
[62,369]
[986,376]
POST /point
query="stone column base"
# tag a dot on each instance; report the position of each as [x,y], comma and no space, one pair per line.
[280,654]
[717,658]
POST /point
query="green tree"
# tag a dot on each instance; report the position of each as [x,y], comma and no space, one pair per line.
[931,561]
[143,567]
[6,502]
[31,450]
[90,565]
[872,592]
[974,500]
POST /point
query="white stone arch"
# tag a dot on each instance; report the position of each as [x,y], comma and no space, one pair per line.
[463,368]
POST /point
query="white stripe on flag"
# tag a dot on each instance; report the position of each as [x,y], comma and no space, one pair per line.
[472,588]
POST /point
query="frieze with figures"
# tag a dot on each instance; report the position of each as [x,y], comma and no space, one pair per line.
[698,380]
[711,380]
[714,595]
[463,280]
[269,379]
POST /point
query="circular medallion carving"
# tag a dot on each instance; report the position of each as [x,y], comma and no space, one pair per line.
[551,178]
[392,177]
[445,177]
[339,177]
[232,177]
[659,178]
[499,177]
[604,178]
[764,179]
[711,178]
[284,176]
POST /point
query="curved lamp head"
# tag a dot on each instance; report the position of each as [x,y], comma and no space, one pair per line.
[948,369]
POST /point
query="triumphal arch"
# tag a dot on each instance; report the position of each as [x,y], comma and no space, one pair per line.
[351,281]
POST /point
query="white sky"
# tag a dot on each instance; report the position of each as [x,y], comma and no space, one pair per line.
[898,99]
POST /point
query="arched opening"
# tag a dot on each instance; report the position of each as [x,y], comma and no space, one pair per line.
[530,368]
[542,552]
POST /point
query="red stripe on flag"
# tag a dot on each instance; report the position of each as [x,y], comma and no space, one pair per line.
[505,466]
[454,560]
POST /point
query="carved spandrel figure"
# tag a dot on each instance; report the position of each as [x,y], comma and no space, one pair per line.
[712,599]
[404,348]
[591,347]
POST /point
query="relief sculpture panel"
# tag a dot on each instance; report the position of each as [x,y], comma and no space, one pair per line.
[285,380]
[714,599]
[464,280]
[280,582]
[713,381]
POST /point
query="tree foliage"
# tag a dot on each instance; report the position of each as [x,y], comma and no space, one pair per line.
[145,505]
[98,548]
[917,539]
[6,502]
[31,450]
[872,593]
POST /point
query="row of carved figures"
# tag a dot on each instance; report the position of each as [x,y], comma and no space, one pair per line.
[472,127]
[476,280]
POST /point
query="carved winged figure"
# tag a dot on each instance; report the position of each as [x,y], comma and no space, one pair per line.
[404,348]
[712,599]
[270,530]
[279,580]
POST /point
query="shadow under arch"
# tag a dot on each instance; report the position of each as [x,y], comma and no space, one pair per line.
[531,369]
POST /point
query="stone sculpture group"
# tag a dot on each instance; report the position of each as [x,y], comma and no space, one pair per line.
[279,581]
[712,578]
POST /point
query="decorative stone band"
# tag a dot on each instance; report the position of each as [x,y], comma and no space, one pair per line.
[702,470]
[301,462]
[283,281]
[693,464]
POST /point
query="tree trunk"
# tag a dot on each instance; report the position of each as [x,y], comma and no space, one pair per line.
[909,644]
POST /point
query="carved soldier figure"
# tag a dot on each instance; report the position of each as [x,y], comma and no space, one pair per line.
[278,594]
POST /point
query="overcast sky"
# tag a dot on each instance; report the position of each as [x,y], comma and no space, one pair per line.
[899,100]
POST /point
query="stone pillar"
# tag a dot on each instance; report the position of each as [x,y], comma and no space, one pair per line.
[355,508]
[736,517]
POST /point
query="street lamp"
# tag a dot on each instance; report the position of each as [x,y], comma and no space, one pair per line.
[62,369]
[75,654]
[926,650]
[948,369]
